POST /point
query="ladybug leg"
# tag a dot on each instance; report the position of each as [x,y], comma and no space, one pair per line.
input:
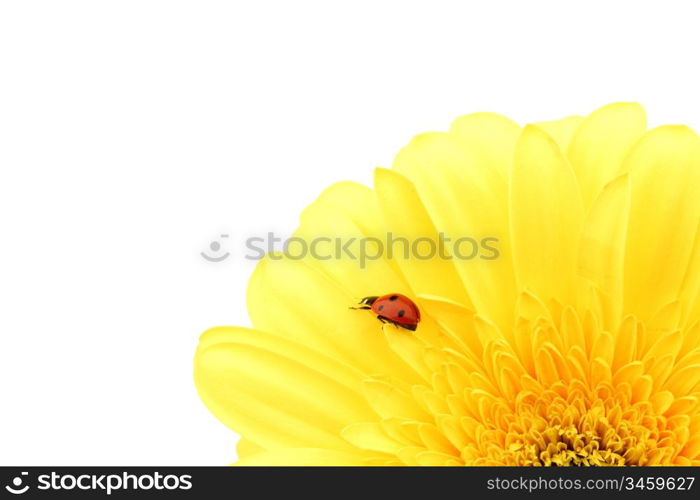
[386,320]
[361,307]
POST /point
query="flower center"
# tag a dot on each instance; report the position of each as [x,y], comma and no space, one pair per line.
[549,429]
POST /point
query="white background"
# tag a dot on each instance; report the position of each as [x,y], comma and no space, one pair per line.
[133,133]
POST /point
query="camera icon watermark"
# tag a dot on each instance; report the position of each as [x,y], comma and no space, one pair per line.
[16,486]
[216,252]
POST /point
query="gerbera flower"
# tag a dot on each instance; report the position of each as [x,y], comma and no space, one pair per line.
[578,345]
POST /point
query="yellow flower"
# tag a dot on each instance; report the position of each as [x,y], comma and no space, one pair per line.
[578,345]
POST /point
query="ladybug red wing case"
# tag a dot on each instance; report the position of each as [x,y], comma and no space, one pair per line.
[393,308]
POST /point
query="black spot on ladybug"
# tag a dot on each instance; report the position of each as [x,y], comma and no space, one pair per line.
[380,308]
[393,297]
[401,313]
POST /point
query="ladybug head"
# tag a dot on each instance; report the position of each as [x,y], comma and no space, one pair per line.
[368,301]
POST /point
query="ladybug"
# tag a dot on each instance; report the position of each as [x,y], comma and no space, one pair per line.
[393,308]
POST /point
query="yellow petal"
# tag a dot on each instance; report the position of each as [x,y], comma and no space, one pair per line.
[303,457]
[449,425]
[669,343]
[274,400]
[437,459]
[467,200]
[659,368]
[298,302]
[601,143]
[572,329]
[546,369]
[389,401]
[600,372]
[690,289]
[602,251]
[546,217]
[408,454]
[428,268]
[245,447]
[691,339]
[563,130]
[341,372]
[341,230]
[410,349]
[603,347]
[435,440]
[685,405]
[641,388]
[625,342]
[664,213]
[661,401]
[455,319]
[491,136]
[400,431]
[629,372]
[371,436]
[692,448]
[683,381]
